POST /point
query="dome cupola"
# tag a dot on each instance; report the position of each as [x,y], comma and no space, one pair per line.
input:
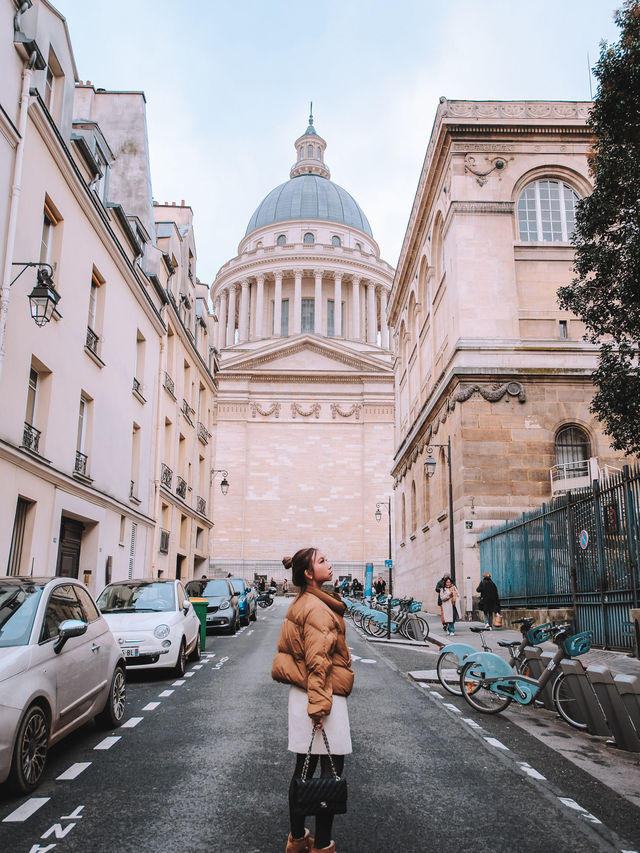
[310,147]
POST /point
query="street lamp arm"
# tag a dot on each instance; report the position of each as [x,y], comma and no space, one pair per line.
[25,266]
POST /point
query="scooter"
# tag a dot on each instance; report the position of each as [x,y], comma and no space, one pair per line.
[265,598]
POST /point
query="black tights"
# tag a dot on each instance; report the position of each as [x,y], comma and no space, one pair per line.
[324,823]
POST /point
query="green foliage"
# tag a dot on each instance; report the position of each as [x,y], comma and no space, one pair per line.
[605,293]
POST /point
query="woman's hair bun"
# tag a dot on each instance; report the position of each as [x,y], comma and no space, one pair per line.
[286,562]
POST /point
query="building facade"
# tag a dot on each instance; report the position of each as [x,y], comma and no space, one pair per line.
[491,374]
[305,401]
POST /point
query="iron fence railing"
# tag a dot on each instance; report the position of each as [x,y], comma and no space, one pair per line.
[80,466]
[181,488]
[31,437]
[164,541]
[166,476]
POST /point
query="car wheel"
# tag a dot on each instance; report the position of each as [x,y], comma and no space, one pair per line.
[254,615]
[233,628]
[30,753]
[112,714]
[196,654]
[244,620]
[181,663]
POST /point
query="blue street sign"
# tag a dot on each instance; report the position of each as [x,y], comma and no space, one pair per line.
[388,564]
[584,539]
[368,580]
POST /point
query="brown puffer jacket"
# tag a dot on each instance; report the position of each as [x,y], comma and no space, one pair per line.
[312,650]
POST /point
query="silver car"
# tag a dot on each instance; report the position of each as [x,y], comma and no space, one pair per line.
[59,667]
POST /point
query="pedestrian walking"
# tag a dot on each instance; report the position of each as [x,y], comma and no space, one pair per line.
[439,587]
[489,599]
[451,610]
[313,657]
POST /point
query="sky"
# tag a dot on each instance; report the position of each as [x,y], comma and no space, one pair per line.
[228,86]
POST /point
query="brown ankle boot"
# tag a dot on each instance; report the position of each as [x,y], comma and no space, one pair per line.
[330,849]
[299,845]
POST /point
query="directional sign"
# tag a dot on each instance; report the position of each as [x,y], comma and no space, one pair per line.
[388,564]
[584,539]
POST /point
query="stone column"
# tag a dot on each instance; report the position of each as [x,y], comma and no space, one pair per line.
[243,320]
[363,311]
[372,316]
[231,316]
[317,309]
[222,320]
[355,308]
[252,312]
[260,307]
[297,303]
[384,328]
[337,304]
[277,304]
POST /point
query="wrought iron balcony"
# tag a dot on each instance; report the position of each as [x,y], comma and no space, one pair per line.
[166,476]
[31,437]
[203,433]
[137,387]
[164,541]
[81,464]
[91,341]
[181,488]
[201,506]
[132,489]
[169,384]
[187,411]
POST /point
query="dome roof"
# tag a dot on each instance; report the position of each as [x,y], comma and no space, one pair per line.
[309,197]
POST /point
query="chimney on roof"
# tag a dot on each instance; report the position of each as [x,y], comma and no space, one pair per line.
[182,203]
[173,204]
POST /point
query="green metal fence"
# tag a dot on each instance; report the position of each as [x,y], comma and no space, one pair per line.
[581,551]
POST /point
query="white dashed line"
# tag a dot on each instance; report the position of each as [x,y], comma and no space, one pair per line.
[355,657]
[151,706]
[436,694]
[451,707]
[198,666]
[189,674]
[567,801]
[73,772]
[26,810]
[132,722]
[471,723]
[368,660]
[495,742]
[179,682]
[107,743]
[166,693]
[530,771]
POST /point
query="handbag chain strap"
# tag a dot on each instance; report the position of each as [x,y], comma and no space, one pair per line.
[305,767]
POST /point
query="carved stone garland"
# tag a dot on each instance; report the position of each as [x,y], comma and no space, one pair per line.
[495,164]
[314,410]
[256,409]
[354,410]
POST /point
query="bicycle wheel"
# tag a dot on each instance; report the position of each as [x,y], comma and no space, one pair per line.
[416,628]
[477,694]
[524,668]
[448,669]
[566,703]
[357,618]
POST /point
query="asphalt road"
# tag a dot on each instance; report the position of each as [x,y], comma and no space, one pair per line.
[206,769]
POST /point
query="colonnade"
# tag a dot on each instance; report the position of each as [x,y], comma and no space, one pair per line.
[243,310]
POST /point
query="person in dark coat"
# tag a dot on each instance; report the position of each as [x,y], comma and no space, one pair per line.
[489,600]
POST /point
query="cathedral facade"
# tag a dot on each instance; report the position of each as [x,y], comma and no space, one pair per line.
[304,425]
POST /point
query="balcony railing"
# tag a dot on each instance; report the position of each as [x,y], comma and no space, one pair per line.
[80,466]
[31,437]
[181,488]
[164,541]
[137,386]
[187,411]
[169,384]
[201,506]
[92,341]
[574,475]
[132,489]
[203,433]
[166,476]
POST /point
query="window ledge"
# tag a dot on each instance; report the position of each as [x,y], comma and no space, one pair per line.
[403,544]
[138,396]
[82,478]
[135,501]
[425,527]
[441,516]
[412,536]
[34,455]
[94,357]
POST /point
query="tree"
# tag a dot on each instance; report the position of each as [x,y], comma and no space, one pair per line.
[605,293]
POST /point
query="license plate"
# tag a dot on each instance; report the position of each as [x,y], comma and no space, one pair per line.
[131,653]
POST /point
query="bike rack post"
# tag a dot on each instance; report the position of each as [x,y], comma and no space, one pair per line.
[628,686]
[622,728]
[532,654]
[587,700]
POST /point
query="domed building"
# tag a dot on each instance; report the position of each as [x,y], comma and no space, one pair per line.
[305,405]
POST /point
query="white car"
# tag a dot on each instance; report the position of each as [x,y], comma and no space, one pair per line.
[153,622]
[59,667]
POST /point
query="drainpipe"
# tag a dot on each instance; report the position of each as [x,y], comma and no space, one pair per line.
[16,187]
[157,515]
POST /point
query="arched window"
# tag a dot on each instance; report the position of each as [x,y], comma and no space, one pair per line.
[308,238]
[310,151]
[359,246]
[281,241]
[336,241]
[573,450]
[414,511]
[404,519]
[547,211]
[300,152]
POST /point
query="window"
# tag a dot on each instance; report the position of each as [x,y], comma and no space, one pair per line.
[336,241]
[563,326]
[32,397]
[81,456]
[51,235]
[308,315]
[414,510]
[331,320]
[282,240]
[403,518]
[285,317]
[91,612]
[547,211]
[359,246]
[309,150]
[63,604]
[53,85]
[573,451]
[18,536]
[308,239]
[96,311]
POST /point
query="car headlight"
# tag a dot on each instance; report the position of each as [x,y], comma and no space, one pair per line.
[224,604]
[161,631]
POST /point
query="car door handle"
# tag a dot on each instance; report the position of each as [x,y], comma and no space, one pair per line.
[95,648]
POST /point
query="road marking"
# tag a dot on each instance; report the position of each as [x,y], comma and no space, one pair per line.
[495,742]
[249,633]
[107,743]
[471,723]
[166,693]
[451,707]
[74,771]
[132,722]
[26,810]
[355,657]
[179,682]
[367,660]
[151,706]
[436,694]
[530,771]
[189,674]
[567,801]
[198,666]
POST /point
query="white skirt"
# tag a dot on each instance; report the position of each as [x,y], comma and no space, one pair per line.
[336,726]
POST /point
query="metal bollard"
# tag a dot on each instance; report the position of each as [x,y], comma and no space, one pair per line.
[587,699]
[628,686]
[618,719]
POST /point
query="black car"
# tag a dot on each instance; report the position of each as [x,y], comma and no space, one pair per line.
[223,611]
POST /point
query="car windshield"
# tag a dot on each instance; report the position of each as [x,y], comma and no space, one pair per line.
[137,598]
[18,605]
[208,589]
[238,585]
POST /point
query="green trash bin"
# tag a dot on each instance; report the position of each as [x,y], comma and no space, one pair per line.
[200,607]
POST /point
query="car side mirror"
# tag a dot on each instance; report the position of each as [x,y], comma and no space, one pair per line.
[186,605]
[67,629]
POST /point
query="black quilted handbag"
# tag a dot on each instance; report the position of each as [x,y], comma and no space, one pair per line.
[320,795]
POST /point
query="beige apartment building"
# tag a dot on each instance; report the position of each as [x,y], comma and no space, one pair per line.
[87,420]
[491,374]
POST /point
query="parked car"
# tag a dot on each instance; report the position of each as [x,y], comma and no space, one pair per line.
[247,600]
[153,622]
[59,667]
[222,603]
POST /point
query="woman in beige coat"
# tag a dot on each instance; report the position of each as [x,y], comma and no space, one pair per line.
[313,657]
[451,610]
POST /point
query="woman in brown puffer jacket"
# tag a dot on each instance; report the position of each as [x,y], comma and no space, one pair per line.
[313,657]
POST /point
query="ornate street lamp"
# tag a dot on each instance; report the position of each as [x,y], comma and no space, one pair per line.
[430,470]
[378,517]
[44,297]
[224,485]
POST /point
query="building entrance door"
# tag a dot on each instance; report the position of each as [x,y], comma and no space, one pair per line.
[69,548]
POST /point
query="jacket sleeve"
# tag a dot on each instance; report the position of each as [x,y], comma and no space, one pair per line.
[319,644]
[445,595]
